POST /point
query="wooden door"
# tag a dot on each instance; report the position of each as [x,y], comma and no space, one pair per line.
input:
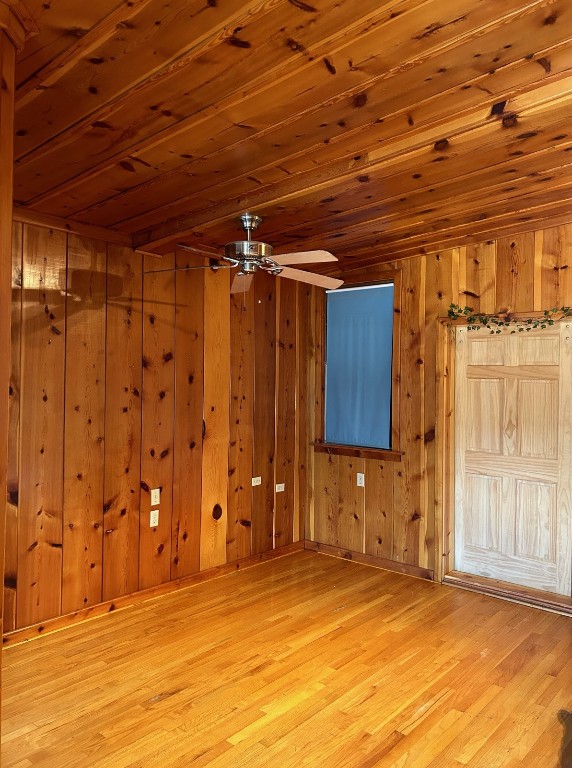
[513,455]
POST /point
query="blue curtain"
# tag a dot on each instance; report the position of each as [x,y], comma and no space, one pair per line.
[359,335]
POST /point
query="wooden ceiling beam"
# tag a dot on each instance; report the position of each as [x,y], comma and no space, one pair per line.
[101,108]
[431,122]
[55,68]
[249,189]
[17,21]
[538,217]
[260,86]
[73,227]
[392,176]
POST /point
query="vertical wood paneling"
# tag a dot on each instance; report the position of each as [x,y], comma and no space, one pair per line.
[285,413]
[242,331]
[327,477]
[216,415]
[305,408]
[264,412]
[41,438]
[553,254]
[319,298]
[530,266]
[117,425]
[84,424]
[515,273]
[351,505]
[13,465]
[441,289]
[392,518]
[158,421]
[479,268]
[7,89]
[123,387]
[188,445]
[304,423]
[410,515]
[379,508]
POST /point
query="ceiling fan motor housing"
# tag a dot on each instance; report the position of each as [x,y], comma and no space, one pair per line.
[248,249]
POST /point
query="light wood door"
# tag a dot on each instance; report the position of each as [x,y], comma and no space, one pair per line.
[513,455]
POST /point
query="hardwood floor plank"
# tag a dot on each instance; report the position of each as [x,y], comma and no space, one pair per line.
[316,662]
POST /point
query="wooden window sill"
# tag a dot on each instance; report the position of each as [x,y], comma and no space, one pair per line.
[380,454]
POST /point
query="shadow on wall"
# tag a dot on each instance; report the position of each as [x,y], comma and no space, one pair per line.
[565,718]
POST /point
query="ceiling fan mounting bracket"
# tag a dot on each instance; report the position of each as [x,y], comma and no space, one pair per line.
[249,222]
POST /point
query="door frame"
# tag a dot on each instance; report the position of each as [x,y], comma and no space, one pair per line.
[445,482]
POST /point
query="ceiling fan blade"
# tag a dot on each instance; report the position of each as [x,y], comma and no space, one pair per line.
[241,283]
[321,281]
[304,257]
[214,267]
[204,250]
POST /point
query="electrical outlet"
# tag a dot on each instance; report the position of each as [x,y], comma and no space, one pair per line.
[360,478]
[154,518]
[256,481]
[155,496]
[279,487]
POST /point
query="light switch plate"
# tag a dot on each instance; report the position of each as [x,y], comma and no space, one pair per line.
[360,478]
[155,496]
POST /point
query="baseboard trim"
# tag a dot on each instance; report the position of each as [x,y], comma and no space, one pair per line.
[25,634]
[377,562]
[516,594]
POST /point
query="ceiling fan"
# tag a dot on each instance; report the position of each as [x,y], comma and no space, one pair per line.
[249,256]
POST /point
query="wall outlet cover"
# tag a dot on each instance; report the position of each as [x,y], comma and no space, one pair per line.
[155,496]
[256,481]
[154,518]
[360,478]
[280,487]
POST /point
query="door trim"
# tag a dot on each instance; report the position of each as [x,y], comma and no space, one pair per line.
[445,487]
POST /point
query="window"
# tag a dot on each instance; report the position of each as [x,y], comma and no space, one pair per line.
[359,351]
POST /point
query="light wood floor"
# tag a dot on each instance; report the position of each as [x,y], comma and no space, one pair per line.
[302,661]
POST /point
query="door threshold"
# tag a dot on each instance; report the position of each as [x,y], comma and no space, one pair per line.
[537,598]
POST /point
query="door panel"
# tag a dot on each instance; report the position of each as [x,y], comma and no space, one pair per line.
[485,397]
[513,456]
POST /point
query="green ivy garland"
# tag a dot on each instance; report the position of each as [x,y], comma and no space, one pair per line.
[496,323]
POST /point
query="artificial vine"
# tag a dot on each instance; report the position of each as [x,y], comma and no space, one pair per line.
[496,323]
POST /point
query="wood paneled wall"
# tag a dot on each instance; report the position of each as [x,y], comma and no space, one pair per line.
[393,519]
[126,378]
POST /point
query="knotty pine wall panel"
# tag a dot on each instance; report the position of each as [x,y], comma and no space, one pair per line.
[378,510]
[188,445]
[148,355]
[158,420]
[285,412]
[523,273]
[84,424]
[264,412]
[13,463]
[240,456]
[304,410]
[40,518]
[216,418]
[123,387]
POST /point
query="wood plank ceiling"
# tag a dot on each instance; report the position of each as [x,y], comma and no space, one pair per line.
[374,129]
